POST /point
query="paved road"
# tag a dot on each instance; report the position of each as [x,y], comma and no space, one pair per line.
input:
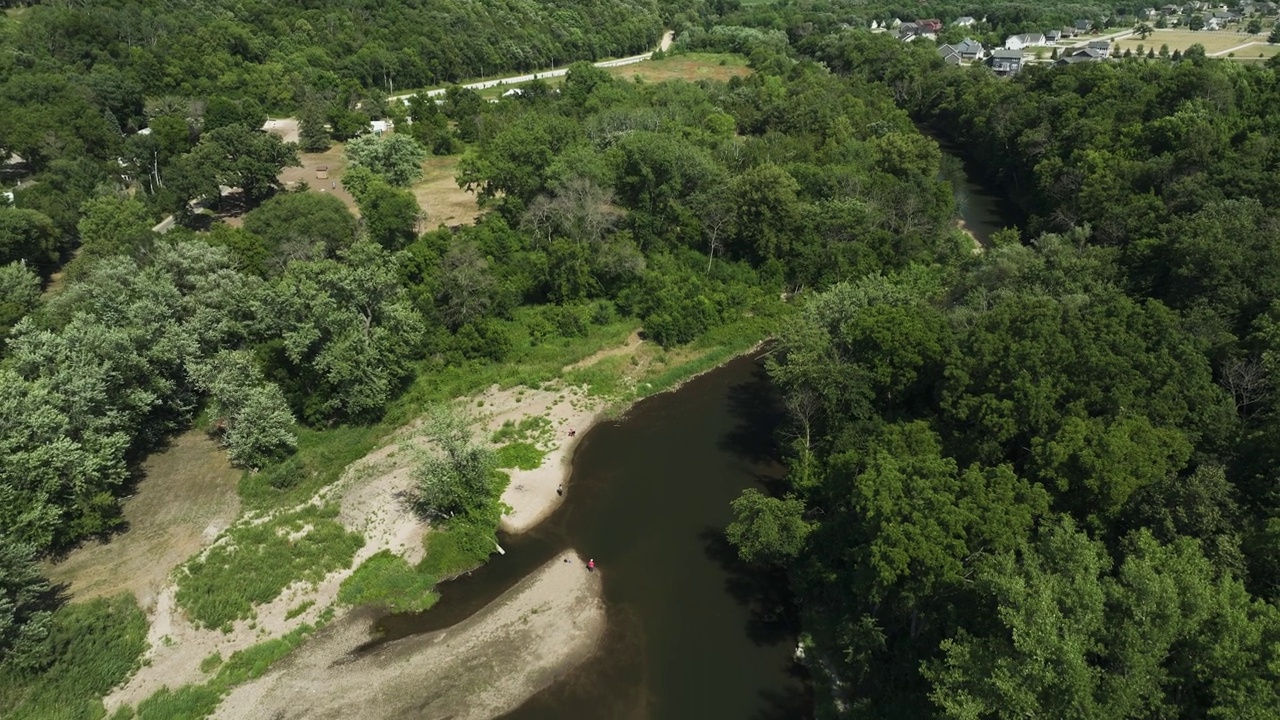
[544,74]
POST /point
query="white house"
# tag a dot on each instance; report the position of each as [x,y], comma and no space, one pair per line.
[965,21]
[379,126]
[1017,42]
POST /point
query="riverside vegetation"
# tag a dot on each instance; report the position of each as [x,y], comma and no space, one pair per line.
[1038,480]
[301,338]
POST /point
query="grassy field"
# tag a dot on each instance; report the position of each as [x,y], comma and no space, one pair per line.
[686,66]
[187,495]
[1177,39]
[440,197]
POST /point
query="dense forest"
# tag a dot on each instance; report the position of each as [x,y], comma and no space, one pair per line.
[1033,481]
[1041,482]
[689,209]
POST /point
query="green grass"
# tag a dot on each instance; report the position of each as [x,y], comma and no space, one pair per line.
[191,702]
[388,581]
[462,546]
[211,663]
[93,646]
[321,457]
[530,364]
[522,455]
[259,561]
[533,429]
[297,610]
[603,378]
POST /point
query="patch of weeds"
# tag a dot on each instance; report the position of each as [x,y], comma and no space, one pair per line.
[211,663]
[530,429]
[259,561]
[294,612]
[191,702]
[91,648]
[461,546]
[521,455]
[387,580]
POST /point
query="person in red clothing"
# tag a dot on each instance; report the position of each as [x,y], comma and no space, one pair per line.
[591,564]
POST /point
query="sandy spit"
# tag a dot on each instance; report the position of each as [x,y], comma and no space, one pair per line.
[480,668]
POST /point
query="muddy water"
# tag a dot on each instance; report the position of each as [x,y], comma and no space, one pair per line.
[692,633]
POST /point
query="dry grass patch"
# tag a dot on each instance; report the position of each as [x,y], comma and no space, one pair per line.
[440,197]
[1212,40]
[187,497]
[332,159]
[687,66]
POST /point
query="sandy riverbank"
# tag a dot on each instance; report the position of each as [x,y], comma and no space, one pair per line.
[480,668]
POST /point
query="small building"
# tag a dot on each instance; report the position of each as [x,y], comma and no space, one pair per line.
[1102,46]
[965,21]
[379,127]
[1052,36]
[1017,42]
[1005,62]
[1083,26]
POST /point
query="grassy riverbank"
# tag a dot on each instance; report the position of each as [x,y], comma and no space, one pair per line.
[226,587]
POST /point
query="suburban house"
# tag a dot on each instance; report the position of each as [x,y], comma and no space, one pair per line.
[1052,36]
[908,29]
[1102,46]
[1083,26]
[1081,55]
[965,21]
[1213,23]
[1017,42]
[933,26]
[969,50]
[1005,62]
[1149,14]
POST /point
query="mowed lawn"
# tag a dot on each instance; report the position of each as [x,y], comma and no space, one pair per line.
[1213,41]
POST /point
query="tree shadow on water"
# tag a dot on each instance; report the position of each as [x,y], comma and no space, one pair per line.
[760,414]
[794,702]
[772,615]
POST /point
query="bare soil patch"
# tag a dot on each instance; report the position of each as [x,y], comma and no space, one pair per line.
[187,497]
[480,668]
[309,173]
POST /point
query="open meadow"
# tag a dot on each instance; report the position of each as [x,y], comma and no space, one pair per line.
[1215,41]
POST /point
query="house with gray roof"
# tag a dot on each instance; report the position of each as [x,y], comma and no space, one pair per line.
[1005,62]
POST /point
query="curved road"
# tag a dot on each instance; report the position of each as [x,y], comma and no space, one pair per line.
[664,45]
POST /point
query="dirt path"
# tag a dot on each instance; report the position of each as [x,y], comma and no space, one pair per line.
[482,667]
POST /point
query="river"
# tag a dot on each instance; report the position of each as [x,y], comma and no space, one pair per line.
[982,211]
[692,633]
